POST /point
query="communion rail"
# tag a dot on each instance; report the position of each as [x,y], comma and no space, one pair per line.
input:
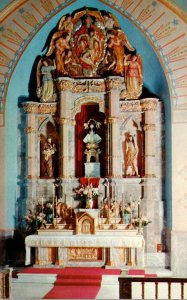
[152,288]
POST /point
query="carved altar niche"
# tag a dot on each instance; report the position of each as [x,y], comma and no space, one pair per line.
[132,147]
[89,110]
[85,224]
[48,149]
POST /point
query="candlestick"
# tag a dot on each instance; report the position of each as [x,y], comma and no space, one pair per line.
[56,202]
[53,190]
[53,209]
[71,206]
[139,208]
[42,227]
[99,213]
[108,191]
[114,191]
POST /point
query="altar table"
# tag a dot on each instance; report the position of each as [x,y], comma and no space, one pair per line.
[67,247]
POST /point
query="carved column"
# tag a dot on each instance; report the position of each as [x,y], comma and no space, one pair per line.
[66,129]
[116,170]
[149,106]
[114,153]
[67,152]
[30,130]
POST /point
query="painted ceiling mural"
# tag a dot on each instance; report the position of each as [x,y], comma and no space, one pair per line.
[163,24]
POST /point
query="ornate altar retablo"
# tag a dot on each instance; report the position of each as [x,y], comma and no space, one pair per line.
[89,43]
[90,79]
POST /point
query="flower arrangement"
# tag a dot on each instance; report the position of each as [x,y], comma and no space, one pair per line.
[87,194]
[42,215]
[142,222]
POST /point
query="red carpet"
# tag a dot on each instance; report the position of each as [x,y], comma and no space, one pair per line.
[74,283]
[140,273]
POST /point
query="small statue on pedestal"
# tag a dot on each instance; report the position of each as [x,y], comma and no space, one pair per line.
[131,156]
[92,140]
[48,151]
[92,151]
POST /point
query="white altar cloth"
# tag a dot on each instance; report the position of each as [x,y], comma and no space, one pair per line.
[83,241]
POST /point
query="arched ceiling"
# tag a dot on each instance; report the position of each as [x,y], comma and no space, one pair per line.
[163,24]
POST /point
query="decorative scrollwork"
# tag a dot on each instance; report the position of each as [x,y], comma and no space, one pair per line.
[36,108]
[133,105]
[149,104]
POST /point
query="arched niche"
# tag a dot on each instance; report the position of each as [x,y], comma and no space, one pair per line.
[48,162]
[132,151]
[89,110]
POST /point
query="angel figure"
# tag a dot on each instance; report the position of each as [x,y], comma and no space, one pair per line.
[117,40]
[45,85]
[133,76]
[66,24]
[109,21]
[59,43]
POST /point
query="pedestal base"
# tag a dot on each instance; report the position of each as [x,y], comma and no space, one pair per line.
[92,169]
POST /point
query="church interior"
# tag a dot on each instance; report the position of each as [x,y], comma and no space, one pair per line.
[93,126]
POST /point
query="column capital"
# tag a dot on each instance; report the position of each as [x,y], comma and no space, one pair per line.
[114,83]
[149,127]
[111,120]
[64,84]
[149,104]
[62,121]
[29,130]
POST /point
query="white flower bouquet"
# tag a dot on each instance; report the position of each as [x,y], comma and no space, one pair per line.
[142,222]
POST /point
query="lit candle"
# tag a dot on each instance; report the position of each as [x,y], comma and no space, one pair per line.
[42,213]
[53,209]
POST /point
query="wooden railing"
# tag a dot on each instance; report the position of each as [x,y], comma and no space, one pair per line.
[125,286]
[5,283]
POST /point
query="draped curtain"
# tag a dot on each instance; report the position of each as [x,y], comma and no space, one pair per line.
[88,111]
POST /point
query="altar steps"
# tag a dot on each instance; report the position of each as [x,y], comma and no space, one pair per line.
[64,283]
[84,284]
[78,280]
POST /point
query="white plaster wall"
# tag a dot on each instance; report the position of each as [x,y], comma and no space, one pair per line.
[179,174]
[179,195]
[2,179]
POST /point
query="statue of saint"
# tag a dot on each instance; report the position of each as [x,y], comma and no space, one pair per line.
[92,140]
[131,154]
[133,76]
[48,151]
[45,85]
